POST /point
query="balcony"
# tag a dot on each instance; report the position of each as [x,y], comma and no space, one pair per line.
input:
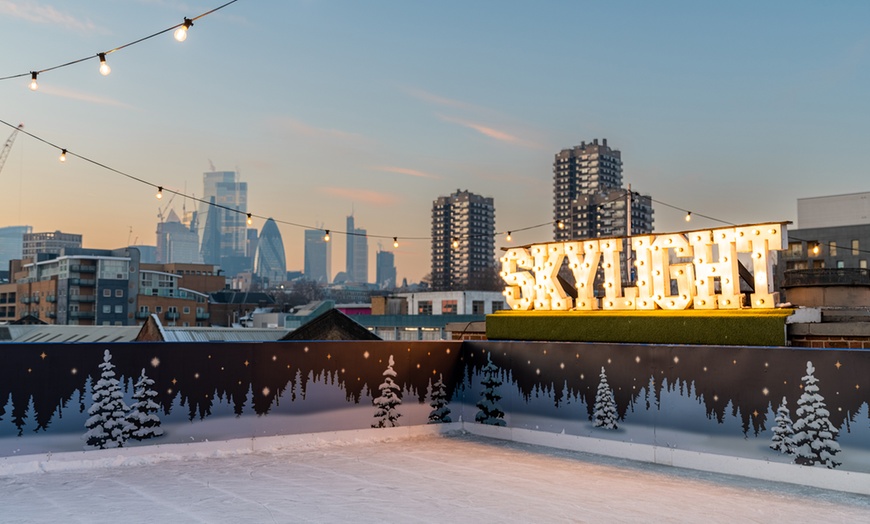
[82,298]
[82,315]
[202,315]
[51,298]
[826,277]
[35,299]
[172,315]
[78,268]
[143,314]
[25,300]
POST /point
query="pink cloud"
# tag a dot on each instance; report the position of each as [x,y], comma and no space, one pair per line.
[405,171]
[43,14]
[496,134]
[82,97]
[300,128]
[440,100]
[359,195]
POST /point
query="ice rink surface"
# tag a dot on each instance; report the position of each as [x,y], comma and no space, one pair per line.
[455,478]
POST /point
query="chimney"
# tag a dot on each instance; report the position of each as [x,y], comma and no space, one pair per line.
[604,142]
[595,141]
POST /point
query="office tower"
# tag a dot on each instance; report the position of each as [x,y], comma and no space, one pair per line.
[318,256]
[223,221]
[463,242]
[176,242]
[589,200]
[385,267]
[48,243]
[270,262]
[12,244]
[357,254]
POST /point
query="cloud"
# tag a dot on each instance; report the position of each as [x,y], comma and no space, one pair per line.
[442,101]
[359,195]
[405,171]
[501,136]
[300,128]
[43,14]
[83,97]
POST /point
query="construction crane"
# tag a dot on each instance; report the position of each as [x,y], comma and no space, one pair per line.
[160,212]
[8,146]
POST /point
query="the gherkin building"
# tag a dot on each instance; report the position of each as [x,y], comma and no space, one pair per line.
[270,262]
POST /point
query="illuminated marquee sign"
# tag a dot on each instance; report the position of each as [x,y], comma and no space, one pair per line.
[661,282]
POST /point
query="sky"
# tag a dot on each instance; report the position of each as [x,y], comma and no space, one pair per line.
[732,110]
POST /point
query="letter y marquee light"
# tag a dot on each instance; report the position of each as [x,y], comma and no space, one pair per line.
[701,266]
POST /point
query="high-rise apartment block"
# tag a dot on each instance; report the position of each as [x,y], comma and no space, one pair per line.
[463,242]
[357,254]
[48,243]
[589,199]
[318,256]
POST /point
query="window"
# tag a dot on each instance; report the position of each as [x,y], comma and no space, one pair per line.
[862,264]
[448,307]
[497,305]
[158,309]
[143,309]
[832,248]
[478,307]
[107,309]
[424,307]
[119,293]
[119,308]
[840,264]
[107,292]
[186,310]
[855,248]
[795,249]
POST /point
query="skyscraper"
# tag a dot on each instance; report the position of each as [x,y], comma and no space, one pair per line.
[463,242]
[176,242]
[589,200]
[385,269]
[223,237]
[50,243]
[357,254]
[318,256]
[270,261]
[11,244]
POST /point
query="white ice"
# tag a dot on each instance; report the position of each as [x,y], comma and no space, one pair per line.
[387,476]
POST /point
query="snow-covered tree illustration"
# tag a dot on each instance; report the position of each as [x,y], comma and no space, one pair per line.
[143,421]
[814,435]
[386,415]
[490,410]
[783,432]
[107,426]
[604,414]
[440,412]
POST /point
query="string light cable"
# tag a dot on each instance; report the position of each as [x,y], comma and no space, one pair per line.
[104,68]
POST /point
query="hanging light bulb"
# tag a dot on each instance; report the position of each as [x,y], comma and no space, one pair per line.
[455,242]
[326,236]
[181,32]
[62,155]
[159,194]
[560,224]
[395,241]
[816,249]
[688,216]
[508,237]
[34,85]
[104,67]
[250,219]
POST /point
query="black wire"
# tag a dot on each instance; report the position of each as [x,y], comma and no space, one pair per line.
[91,57]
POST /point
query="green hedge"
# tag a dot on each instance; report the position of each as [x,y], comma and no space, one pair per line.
[745,327]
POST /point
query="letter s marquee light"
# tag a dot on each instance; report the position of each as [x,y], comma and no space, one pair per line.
[701,283]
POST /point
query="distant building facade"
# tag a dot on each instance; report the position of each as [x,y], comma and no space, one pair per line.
[48,243]
[318,257]
[357,254]
[12,244]
[223,222]
[463,242]
[385,266]
[271,261]
[176,242]
[589,200]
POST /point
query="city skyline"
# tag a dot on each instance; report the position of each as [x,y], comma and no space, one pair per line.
[321,107]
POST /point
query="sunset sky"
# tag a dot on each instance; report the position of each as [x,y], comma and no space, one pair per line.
[732,110]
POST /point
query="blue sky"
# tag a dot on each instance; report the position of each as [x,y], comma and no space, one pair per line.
[732,110]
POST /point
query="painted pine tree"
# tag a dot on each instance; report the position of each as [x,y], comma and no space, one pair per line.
[604,410]
[440,412]
[386,415]
[107,427]
[814,435]
[143,419]
[783,432]
[490,410]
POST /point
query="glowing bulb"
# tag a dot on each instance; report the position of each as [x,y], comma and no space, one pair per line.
[62,155]
[326,236]
[395,241]
[508,237]
[455,243]
[181,32]
[816,249]
[560,224]
[250,219]
[159,194]
[104,67]
[34,85]
[688,216]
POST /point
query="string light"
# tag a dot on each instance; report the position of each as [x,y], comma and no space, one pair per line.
[395,241]
[326,236]
[455,242]
[688,216]
[62,155]
[508,237]
[104,67]
[560,224]
[816,249]
[181,32]
[250,219]
[34,85]
[159,194]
